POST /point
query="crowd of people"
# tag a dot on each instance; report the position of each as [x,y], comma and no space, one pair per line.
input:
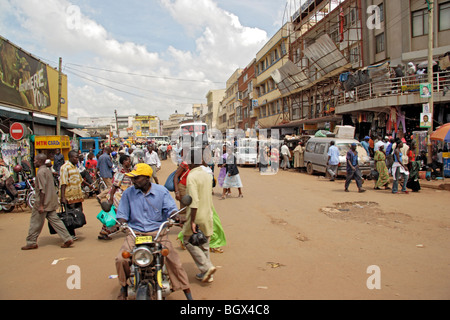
[392,157]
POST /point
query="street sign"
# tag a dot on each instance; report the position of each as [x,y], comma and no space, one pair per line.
[17,131]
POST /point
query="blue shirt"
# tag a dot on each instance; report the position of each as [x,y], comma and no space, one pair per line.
[366,146]
[104,166]
[333,153]
[146,212]
[353,159]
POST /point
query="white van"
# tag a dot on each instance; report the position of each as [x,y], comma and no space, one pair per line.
[316,155]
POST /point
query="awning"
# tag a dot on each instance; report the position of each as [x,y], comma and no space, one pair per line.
[80,133]
[299,123]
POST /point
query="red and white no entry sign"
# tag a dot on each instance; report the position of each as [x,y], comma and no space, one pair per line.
[17,131]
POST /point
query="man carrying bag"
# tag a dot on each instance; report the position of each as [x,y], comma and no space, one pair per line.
[45,207]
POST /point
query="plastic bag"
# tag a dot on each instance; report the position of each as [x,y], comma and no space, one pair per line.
[108,218]
[169,182]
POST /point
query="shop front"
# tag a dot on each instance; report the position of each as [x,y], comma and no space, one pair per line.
[49,144]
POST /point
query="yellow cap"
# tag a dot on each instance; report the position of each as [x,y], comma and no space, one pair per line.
[141,169]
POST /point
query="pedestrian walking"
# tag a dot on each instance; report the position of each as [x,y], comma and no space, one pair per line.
[399,169]
[353,171]
[333,160]
[199,214]
[144,207]
[104,168]
[152,159]
[232,178]
[72,196]
[45,206]
[383,172]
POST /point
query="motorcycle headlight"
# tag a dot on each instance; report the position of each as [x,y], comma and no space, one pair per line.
[143,257]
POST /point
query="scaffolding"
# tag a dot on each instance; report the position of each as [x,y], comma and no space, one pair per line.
[326,41]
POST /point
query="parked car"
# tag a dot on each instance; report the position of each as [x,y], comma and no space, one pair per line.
[316,155]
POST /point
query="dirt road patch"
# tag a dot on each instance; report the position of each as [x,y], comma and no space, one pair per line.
[365,212]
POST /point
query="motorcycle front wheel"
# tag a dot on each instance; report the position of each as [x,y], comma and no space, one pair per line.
[144,292]
[7,208]
[31,199]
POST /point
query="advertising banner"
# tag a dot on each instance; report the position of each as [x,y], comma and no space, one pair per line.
[29,84]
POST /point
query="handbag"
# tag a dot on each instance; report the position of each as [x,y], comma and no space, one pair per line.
[222,175]
[108,218]
[169,182]
[198,239]
[72,217]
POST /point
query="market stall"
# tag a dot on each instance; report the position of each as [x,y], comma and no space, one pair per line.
[442,135]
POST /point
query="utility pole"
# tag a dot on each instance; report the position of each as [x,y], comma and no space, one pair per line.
[117,124]
[58,116]
[430,73]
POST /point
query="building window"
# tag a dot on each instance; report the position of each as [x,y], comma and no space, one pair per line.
[380,43]
[381,7]
[420,23]
[444,16]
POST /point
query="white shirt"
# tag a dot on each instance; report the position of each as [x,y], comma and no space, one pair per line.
[285,150]
[152,159]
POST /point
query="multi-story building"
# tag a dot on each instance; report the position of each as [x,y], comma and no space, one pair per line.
[146,126]
[245,115]
[173,124]
[326,41]
[230,102]
[275,53]
[199,112]
[393,104]
[213,98]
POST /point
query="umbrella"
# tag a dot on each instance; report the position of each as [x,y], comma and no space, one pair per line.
[442,133]
[424,64]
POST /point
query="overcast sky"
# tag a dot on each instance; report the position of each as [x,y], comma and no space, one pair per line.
[166,54]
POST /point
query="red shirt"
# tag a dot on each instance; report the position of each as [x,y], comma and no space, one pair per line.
[91,164]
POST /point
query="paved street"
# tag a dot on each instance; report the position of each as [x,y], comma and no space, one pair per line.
[292,237]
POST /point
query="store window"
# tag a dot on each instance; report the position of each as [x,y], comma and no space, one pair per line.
[444,16]
[420,23]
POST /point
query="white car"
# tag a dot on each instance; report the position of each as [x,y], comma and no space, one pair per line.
[246,156]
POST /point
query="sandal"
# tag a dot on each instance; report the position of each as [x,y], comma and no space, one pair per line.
[104,237]
[216,250]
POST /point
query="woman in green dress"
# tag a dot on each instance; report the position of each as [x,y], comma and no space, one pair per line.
[383,173]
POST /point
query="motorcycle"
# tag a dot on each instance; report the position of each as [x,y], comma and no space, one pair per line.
[25,192]
[92,183]
[149,279]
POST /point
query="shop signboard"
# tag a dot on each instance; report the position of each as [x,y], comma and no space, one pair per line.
[52,142]
[29,84]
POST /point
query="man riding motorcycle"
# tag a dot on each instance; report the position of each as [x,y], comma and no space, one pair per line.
[144,207]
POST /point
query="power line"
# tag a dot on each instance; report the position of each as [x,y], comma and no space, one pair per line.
[127,85]
[143,75]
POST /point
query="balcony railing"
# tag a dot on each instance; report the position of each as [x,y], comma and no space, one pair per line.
[409,85]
